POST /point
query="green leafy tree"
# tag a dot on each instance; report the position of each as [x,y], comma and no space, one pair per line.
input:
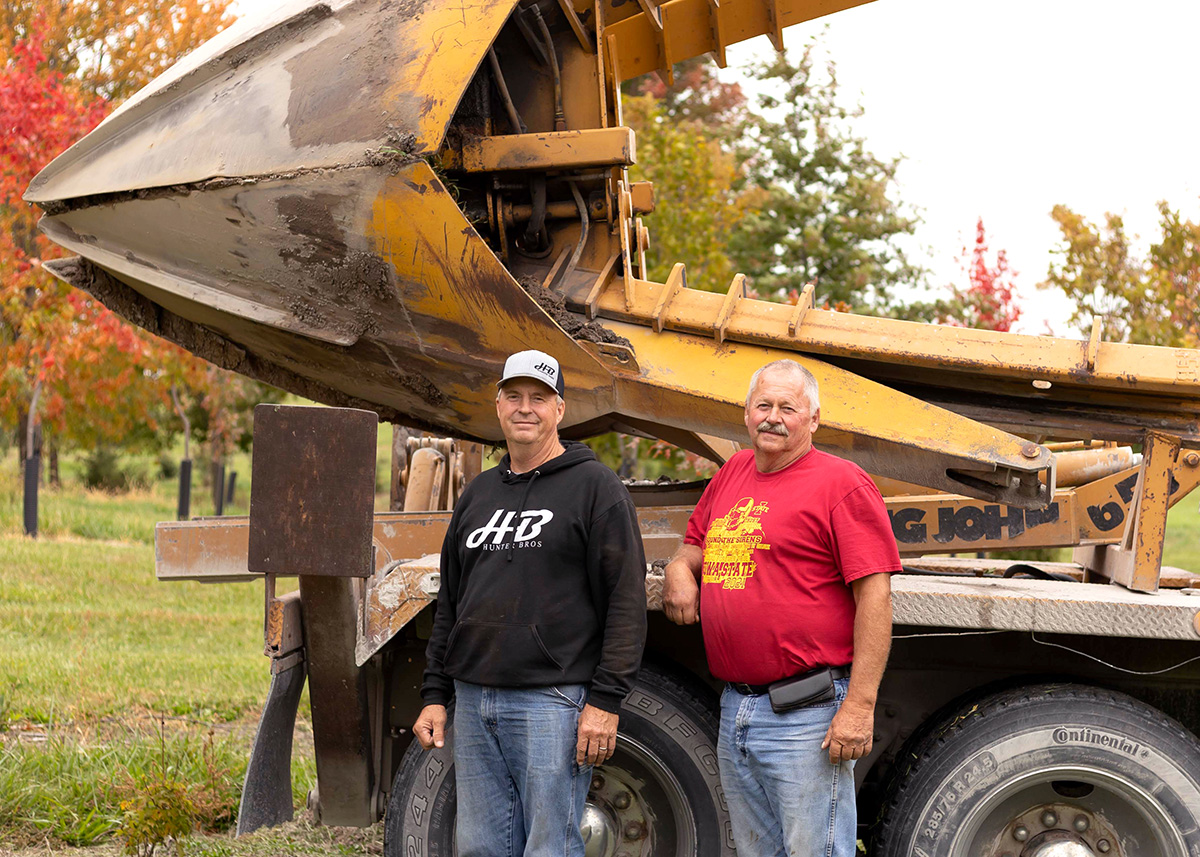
[1152,299]
[718,108]
[827,213]
[698,205]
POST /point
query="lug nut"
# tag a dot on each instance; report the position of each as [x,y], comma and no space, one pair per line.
[1049,819]
[1081,823]
[597,783]
[622,800]
[1103,846]
[1021,833]
[635,830]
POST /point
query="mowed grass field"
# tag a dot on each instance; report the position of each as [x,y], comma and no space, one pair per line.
[108,677]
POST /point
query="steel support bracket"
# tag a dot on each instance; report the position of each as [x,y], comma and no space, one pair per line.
[1135,563]
[557,151]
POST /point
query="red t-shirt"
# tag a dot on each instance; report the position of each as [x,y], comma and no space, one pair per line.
[780,550]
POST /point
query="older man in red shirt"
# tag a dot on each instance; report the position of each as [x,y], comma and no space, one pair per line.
[786,563]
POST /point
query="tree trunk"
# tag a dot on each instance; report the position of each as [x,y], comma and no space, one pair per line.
[629,459]
[22,452]
[33,443]
[55,475]
[218,486]
[187,424]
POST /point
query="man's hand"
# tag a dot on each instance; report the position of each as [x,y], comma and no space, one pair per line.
[850,735]
[430,727]
[681,592]
[597,736]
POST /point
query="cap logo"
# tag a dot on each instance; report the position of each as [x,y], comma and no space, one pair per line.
[545,369]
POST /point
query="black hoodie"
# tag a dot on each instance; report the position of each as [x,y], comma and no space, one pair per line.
[543,583]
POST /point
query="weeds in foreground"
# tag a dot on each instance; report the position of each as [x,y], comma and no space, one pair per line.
[159,807]
[79,790]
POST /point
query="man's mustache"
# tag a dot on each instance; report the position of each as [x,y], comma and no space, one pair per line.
[768,427]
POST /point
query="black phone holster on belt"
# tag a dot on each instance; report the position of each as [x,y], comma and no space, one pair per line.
[806,689]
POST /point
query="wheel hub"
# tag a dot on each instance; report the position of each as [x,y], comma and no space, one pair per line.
[1057,830]
[615,821]
[599,831]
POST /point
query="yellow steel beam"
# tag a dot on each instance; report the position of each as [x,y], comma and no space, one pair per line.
[550,150]
[689,28]
[699,385]
[1118,366]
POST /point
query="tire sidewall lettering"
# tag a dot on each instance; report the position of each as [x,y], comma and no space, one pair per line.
[1082,746]
[683,739]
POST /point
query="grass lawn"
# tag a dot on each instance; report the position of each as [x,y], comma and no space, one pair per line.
[1181,547]
[86,631]
[108,677]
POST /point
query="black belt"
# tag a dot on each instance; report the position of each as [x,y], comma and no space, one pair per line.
[759,689]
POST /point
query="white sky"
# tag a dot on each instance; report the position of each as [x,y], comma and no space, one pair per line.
[1003,109]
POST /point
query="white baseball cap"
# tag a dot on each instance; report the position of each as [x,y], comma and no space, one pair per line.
[533,364]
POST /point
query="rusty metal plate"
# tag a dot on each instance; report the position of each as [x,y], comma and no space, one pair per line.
[312,496]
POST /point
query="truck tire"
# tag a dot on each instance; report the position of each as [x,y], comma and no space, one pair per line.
[1049,768]
[658,794]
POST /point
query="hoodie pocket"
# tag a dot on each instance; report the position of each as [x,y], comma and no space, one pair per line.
[545,650]
[499,652]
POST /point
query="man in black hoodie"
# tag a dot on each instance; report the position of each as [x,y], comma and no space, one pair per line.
[539,629]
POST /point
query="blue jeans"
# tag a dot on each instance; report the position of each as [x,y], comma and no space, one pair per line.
[784,796]
[519,789]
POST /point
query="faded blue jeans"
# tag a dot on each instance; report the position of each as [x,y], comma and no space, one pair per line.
[520,793]
[784,796]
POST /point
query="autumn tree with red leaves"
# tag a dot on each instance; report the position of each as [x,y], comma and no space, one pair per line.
[989,302]
[41,113]
[69,366]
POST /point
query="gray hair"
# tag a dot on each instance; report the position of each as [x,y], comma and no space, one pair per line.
[807,381]
[557,398]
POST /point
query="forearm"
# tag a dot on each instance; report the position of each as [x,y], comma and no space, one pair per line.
[872,637]
[689,558]
[620,655]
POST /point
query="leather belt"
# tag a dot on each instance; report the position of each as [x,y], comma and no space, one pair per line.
[759,689]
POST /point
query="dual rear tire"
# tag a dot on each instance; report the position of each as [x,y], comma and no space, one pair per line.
[1060,770]
[660,793]
[1048,769]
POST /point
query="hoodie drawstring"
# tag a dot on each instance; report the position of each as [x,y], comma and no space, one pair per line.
[521,509]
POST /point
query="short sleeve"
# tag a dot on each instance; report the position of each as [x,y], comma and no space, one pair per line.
[697,527]
[862,535]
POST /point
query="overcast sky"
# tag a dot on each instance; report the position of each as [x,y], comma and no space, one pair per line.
[1003,109]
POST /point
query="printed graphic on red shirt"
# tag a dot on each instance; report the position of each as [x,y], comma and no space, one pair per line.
[731,542]
[781,551]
